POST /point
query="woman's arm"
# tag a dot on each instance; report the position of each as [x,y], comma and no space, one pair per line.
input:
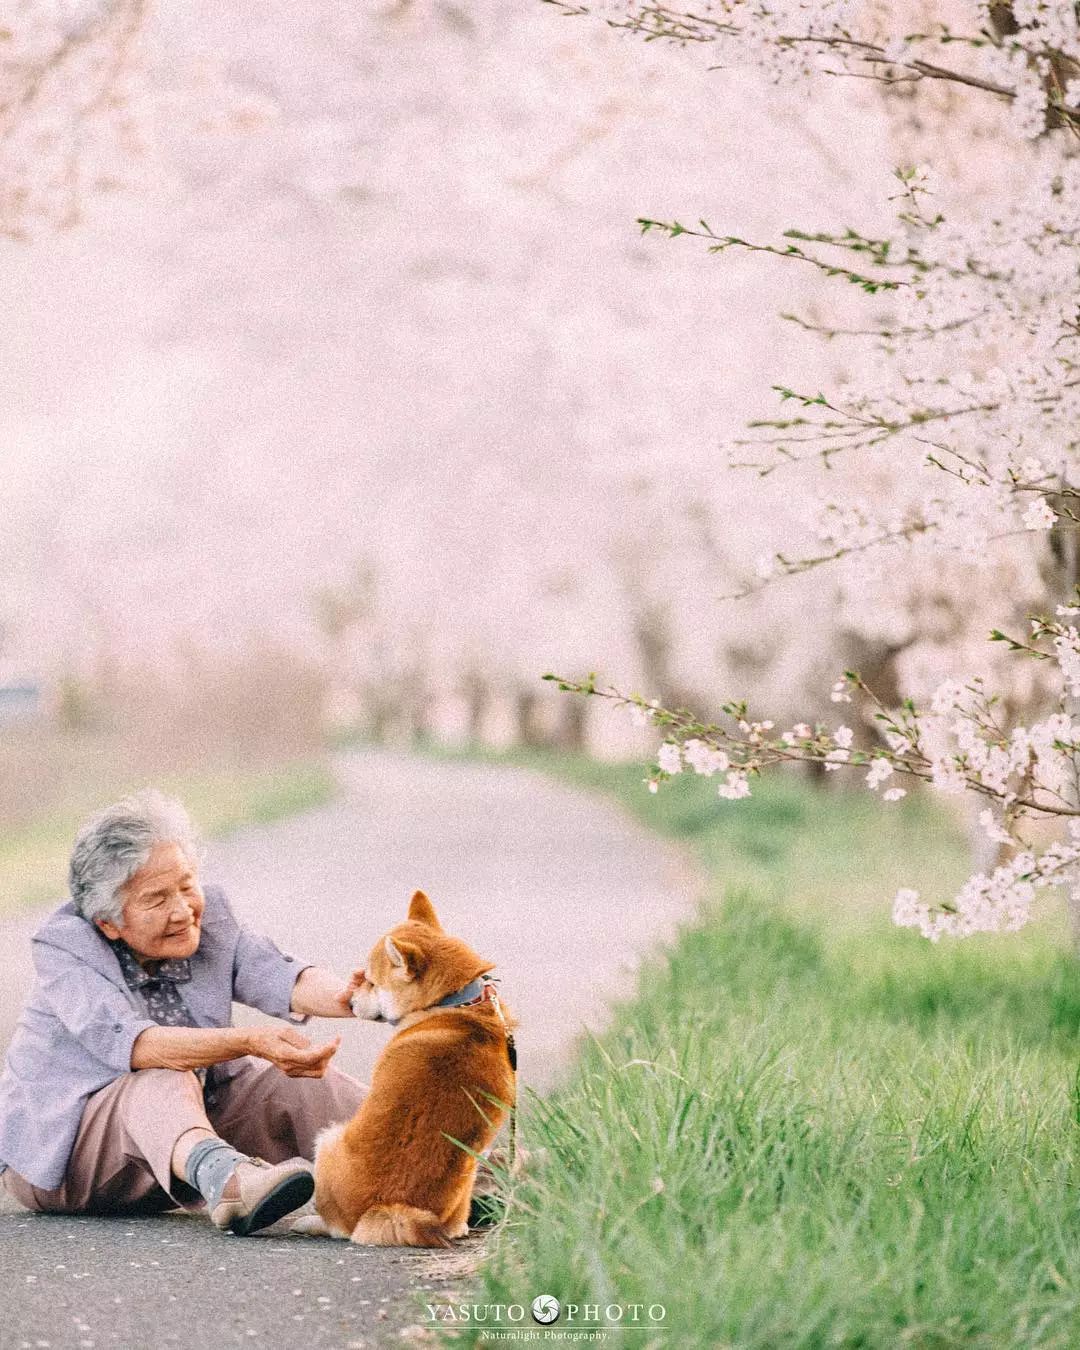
[198,1047]
[188,1047]
[323,994]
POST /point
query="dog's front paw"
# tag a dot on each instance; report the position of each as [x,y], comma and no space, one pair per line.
[309,1225]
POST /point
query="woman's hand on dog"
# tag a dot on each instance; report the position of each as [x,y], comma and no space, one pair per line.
[357,981]
[292,1052]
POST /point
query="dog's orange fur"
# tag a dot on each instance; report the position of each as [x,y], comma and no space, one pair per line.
[390,1176]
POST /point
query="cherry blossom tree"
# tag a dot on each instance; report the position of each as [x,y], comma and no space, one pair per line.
[950,453]
[70,105]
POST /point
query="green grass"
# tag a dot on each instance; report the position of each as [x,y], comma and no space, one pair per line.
[810,1128]
[34,856]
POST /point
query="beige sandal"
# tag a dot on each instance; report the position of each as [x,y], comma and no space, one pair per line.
[262,1195]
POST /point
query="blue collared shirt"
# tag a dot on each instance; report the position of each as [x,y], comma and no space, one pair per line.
[81,1019]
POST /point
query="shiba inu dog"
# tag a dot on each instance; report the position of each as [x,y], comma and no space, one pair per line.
[392,1176]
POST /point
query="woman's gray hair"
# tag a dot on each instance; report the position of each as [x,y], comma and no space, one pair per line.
[113,844]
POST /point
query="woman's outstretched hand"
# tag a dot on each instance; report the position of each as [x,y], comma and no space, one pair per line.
[292,1052]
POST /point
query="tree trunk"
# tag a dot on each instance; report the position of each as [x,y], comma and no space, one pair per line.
[530,729]
[1065,547]
[572,725]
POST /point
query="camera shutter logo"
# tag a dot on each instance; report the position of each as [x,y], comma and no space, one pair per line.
[545,1309]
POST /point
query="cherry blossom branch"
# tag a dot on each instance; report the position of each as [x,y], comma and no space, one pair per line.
[888,62]
[958,745]
[720,243]
[748,750]
[920,332]
[782,566]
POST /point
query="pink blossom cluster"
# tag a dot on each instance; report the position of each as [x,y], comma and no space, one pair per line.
[996,903]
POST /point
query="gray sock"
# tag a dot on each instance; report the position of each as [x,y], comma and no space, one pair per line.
[209,1166]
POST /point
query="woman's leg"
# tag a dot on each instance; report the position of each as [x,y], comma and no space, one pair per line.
[122,1160]
[263,1112]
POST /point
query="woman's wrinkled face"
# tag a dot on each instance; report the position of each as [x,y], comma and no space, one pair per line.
[163,907]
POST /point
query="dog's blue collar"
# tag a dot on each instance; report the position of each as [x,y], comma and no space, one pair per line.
[473,992]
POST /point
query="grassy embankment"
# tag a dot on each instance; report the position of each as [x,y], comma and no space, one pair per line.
[811,1128]
[34,853]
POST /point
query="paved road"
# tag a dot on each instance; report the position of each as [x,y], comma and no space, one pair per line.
[562,890]
[176,1282]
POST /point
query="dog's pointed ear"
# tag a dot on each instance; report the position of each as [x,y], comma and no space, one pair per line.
[403,955]
[423,911]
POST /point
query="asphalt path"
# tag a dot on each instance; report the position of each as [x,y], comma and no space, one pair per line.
[559,888]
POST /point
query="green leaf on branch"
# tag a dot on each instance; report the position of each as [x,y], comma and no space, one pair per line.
[996,635]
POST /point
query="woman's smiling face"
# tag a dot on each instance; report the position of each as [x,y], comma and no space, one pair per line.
[163,907]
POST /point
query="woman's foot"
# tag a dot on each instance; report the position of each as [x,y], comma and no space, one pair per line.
[257,1195]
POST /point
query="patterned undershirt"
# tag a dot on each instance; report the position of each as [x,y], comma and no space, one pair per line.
[156,983]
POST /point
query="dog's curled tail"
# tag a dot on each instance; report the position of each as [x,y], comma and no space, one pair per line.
[400,1226]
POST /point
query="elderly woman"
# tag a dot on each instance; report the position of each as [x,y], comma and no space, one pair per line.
[126,1088]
